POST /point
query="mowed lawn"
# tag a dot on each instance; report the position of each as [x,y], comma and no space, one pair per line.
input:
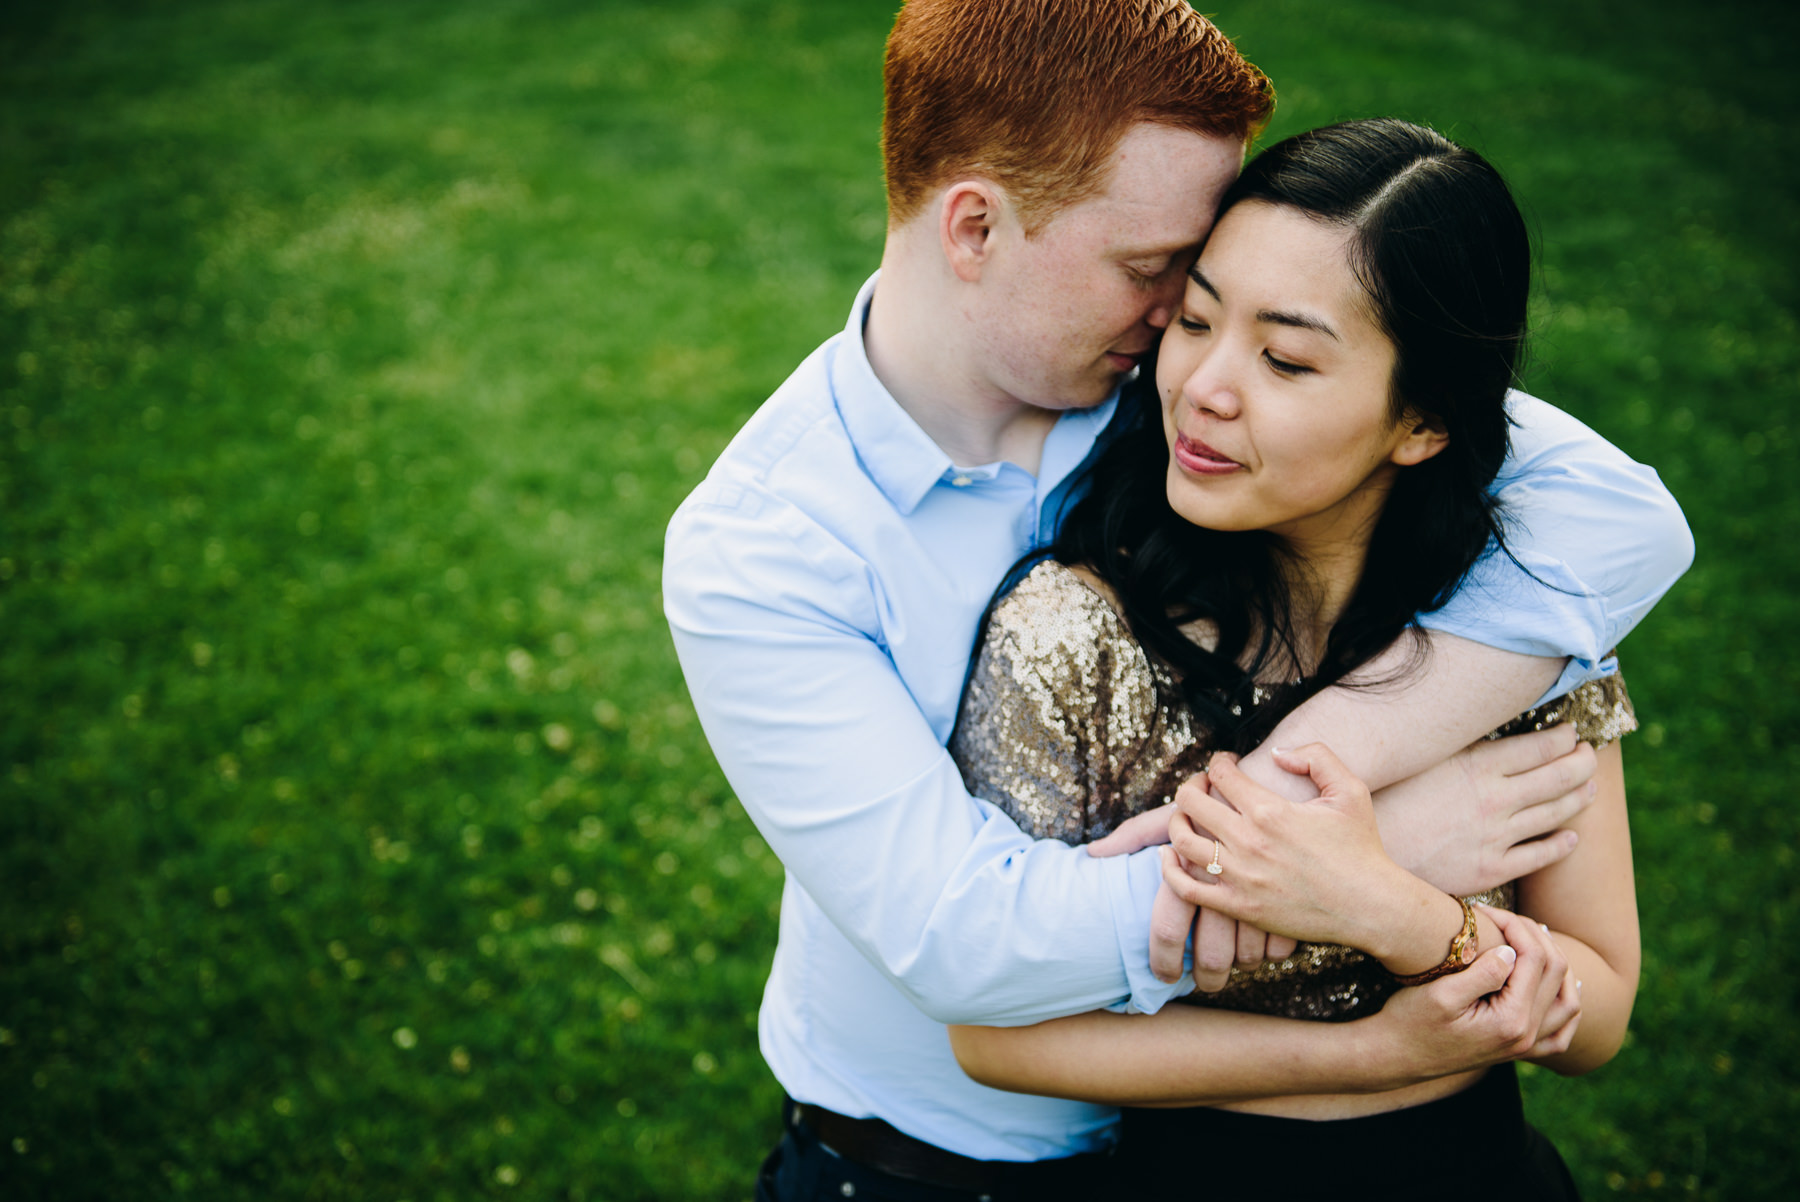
[356,836]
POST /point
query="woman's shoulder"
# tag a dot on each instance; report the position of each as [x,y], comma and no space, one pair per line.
[1062,724]
[1056,604]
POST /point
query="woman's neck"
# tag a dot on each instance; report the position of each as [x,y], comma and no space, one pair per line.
[1321,580]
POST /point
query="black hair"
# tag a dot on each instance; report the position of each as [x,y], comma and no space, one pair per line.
[1442,251]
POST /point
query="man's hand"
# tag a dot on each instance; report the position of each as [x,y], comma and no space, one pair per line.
[1491,813]
[1135,833]
[1514,1002]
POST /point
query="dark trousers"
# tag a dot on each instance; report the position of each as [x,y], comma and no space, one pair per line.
[1471,1146]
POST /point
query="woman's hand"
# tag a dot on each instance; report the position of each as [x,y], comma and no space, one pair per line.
[1515,1001]
[1311,870]
[1219,942]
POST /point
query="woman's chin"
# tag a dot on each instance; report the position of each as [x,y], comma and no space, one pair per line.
[1213,517]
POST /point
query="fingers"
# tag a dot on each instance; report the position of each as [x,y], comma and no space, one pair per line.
[1179,867]
[1135,833]
[1231,790]
[1552,782]
[1521,753]
[1523,859]
[1194,790]
[1334,780]
[1557,1030]
[1556,975]
[1215,948]
[1252,945]
[1280,947]
[1489,973]
[1534,821]
[1171,919]
[1558,1042]
[1196,848]
[1534,983]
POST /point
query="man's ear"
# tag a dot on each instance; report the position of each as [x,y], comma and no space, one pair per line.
[967,216]
[1425,436]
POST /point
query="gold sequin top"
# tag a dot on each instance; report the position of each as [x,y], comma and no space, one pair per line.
[1070,728]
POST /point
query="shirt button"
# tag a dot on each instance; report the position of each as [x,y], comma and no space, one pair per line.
[848,1190]
[961,481]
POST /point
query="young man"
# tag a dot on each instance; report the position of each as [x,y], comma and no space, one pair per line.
[1053,166]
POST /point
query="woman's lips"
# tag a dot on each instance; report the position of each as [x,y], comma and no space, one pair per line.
[1195,456]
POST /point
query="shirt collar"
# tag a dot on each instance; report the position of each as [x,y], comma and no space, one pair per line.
[899,456]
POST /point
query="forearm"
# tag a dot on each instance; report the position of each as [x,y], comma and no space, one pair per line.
[1594,540]
[1384,733]
[970,919]
[840,761]
[1183,1056]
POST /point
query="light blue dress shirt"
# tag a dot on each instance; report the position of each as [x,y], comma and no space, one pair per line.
[823,585]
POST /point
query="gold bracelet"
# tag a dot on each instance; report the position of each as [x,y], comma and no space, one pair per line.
[1463,950]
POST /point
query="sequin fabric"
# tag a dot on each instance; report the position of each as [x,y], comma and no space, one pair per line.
[1063,727]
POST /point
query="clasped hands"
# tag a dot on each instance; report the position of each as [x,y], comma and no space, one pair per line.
[1488,815]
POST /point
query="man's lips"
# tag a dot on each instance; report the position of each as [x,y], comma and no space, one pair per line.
[1196,457]
[1124,361]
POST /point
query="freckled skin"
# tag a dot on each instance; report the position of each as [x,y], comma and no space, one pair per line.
[1052,308]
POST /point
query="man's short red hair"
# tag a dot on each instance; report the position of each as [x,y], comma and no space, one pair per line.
[1035,94]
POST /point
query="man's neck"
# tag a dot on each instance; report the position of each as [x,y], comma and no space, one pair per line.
[919,350]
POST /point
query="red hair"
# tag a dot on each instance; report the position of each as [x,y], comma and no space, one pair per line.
[1034,95]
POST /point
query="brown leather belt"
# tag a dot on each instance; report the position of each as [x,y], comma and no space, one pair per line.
[879,1146]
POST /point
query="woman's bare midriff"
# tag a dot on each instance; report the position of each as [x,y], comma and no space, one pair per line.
[1323,1107]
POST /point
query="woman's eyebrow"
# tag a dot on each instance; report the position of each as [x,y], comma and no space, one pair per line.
[1279,317]
[1195,275]
[1299,321]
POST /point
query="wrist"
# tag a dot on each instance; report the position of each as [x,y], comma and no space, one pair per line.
[1431,934]
[1387,1053]
[1413,926]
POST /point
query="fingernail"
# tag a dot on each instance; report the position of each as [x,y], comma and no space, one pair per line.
[1545,926]
[1507,954]
[1593,787]
[1577,986]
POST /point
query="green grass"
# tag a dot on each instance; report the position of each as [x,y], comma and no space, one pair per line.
[356,839]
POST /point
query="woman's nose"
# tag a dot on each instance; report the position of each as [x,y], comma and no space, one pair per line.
[1210,389]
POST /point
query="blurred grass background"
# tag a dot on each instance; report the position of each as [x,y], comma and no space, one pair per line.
[356,839]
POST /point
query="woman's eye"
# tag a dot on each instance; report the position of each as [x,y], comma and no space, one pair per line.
[1285,367]
[1192,325]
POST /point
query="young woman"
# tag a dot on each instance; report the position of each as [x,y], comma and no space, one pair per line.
[1333,408]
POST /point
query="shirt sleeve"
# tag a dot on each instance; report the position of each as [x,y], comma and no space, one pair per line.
[775,626]
[1595,541]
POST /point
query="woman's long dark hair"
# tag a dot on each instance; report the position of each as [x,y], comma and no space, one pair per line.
[1441,249]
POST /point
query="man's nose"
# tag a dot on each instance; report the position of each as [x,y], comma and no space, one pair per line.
[1168,297]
